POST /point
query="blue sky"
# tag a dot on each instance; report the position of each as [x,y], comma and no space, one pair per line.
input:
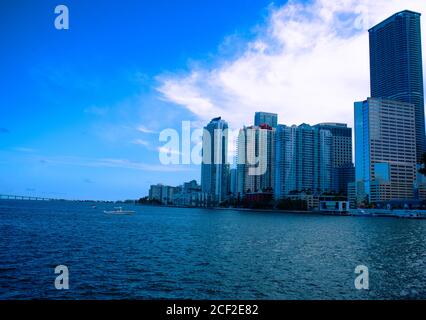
[72,101]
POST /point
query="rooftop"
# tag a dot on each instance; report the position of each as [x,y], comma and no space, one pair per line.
[392,18]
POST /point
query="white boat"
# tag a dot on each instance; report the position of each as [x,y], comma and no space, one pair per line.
[120,211]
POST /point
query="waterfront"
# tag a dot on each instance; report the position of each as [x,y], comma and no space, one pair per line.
[205,254]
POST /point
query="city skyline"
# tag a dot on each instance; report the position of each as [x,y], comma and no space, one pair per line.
[74,124]
[302,163]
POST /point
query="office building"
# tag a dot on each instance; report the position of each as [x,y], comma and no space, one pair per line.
[396,66]
[385,157]
[343,168]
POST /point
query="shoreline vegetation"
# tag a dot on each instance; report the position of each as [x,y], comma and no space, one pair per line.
[282,205]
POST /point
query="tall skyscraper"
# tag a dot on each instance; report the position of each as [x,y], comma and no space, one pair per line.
[215,167]
[343,168]
[270,119]
[256,159]
[385,140]
[233,182]
[303,160]
[396,68]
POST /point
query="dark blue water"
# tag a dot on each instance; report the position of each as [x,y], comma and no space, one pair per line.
[205,254]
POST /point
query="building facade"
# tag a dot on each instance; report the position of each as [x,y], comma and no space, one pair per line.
[256,159]
[161,193]
[343,168]
[385,142]
[190,195]
[396,66]
[215,167]
[262,118]
[303,160]
[155,192]
[233,182]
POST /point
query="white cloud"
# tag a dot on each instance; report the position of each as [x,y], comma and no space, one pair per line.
[26,150]
[141,142]
[309,63]
[169,151]
[144,129]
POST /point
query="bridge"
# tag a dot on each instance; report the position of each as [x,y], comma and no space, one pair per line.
[13,197]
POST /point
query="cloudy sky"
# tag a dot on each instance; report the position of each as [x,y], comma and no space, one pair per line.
[308,62]
[81,110]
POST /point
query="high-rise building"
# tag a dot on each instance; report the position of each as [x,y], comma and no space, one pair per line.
[215,167]
[256,158]
[270,119]
[233,185]
[303,160]
[396,68]
[385,140]
[342,176]
[343,168]
[356,194]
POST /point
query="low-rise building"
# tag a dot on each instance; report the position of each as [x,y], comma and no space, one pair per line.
[191,195]
[161,193]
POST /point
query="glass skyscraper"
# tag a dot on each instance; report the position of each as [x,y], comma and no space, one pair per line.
[343,168]
[396,66]
[215,167]
[270,119]
[303,160]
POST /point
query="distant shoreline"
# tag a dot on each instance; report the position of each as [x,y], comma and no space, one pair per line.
[369,213]
[233,209]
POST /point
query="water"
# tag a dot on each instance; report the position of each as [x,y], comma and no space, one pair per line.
[205,254]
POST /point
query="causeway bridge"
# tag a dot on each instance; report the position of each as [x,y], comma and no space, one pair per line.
[13,197]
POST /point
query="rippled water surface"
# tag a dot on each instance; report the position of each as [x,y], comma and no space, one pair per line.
[205,254]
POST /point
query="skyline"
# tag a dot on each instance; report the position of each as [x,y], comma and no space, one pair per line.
[108,148]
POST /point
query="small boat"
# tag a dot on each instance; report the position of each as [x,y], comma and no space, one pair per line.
[120,211]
